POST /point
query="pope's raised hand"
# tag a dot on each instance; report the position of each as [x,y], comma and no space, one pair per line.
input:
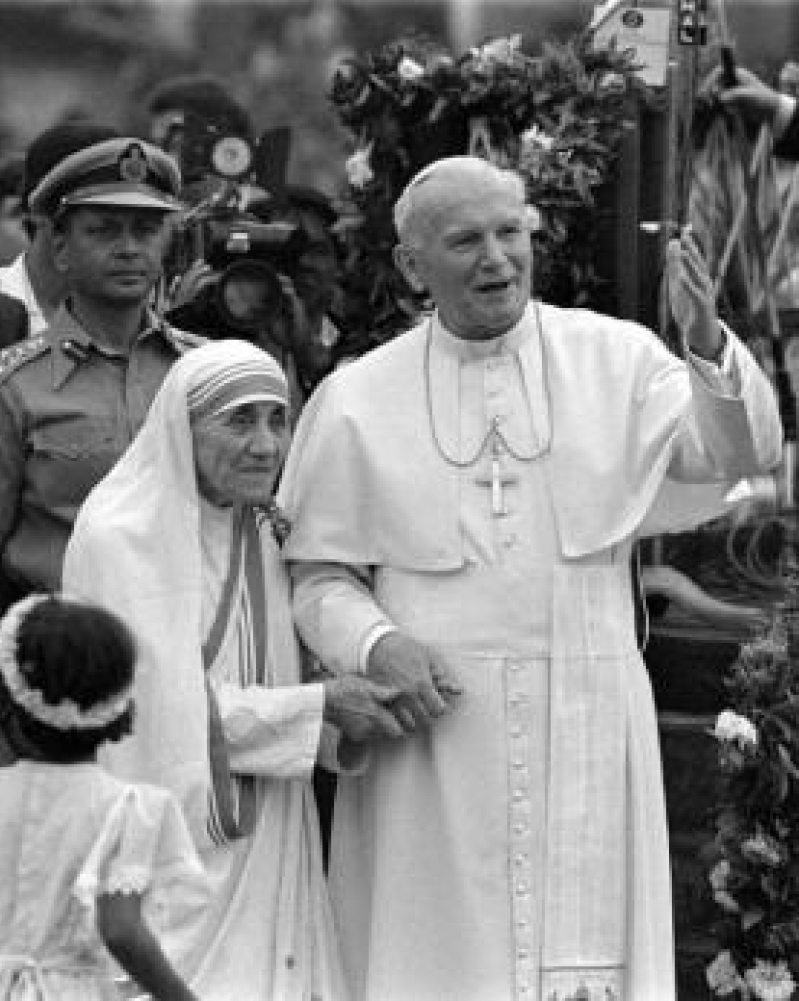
[691,295]
[425,689]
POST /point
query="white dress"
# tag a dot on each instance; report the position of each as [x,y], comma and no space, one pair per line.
[68,833]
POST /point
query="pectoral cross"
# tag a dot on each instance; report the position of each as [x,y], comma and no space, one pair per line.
[497,482]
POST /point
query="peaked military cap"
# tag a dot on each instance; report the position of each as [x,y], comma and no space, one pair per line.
[122,171]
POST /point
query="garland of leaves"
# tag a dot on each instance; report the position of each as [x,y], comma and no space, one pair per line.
[557,117]
[754,878]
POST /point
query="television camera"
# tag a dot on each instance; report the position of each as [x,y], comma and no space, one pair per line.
[255,257]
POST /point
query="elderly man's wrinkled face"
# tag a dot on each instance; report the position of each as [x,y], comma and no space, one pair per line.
[238,454]
[470,249]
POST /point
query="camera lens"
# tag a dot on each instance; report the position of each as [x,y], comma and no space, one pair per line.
[249,295]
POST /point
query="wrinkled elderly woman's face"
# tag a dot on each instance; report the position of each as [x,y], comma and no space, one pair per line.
[238,454]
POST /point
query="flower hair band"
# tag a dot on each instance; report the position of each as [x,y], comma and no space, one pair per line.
[63,715]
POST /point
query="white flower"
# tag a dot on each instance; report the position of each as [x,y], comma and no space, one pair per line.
[613,83]
[719,875]
[770,981]
[534,219]
[536,138]
[761,848]
[732,727]
[726,901]
[409,69]
[358,168]
[722,976]
[499,51]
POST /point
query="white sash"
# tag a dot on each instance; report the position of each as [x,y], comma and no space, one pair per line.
[585,937]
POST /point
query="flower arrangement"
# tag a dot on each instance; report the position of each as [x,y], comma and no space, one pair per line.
[556,117]
[754,879]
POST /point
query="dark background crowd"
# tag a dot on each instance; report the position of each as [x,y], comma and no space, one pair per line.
[277,56]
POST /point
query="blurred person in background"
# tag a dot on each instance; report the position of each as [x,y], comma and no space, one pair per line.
[14,318]
[32,277]
[178,109]
[73,397]
[759,103]
[13,238]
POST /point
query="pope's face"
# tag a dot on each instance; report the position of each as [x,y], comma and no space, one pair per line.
[238,454]
[473,256]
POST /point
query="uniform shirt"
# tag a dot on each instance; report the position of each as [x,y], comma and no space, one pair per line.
[68,410]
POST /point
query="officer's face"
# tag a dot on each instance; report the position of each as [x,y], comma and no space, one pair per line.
[112,254]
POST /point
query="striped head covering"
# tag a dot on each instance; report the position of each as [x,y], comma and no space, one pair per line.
[233,378]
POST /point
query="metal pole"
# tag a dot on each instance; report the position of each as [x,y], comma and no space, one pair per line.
[465,19]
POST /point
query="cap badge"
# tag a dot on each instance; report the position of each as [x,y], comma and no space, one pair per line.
[133,165]
[231,156]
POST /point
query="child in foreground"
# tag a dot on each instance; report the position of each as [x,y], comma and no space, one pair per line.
[89,864]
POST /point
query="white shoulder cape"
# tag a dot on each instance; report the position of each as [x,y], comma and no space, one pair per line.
[365,484]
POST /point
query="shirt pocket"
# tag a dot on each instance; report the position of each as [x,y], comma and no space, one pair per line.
[75,439]
[67,459]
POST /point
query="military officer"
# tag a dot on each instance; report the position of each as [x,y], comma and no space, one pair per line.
[73,397]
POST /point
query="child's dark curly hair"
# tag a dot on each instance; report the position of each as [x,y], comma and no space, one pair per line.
[69,649]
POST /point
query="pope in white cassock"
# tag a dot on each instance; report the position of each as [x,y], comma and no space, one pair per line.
[464,503]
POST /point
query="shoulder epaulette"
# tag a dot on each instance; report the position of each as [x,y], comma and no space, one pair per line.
[16,355]
[182,340]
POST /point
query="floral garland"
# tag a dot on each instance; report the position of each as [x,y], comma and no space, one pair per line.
[556,117]
[754,878]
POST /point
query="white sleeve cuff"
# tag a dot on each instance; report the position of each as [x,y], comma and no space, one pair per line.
[372,635]
[786,106]
[720,376]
